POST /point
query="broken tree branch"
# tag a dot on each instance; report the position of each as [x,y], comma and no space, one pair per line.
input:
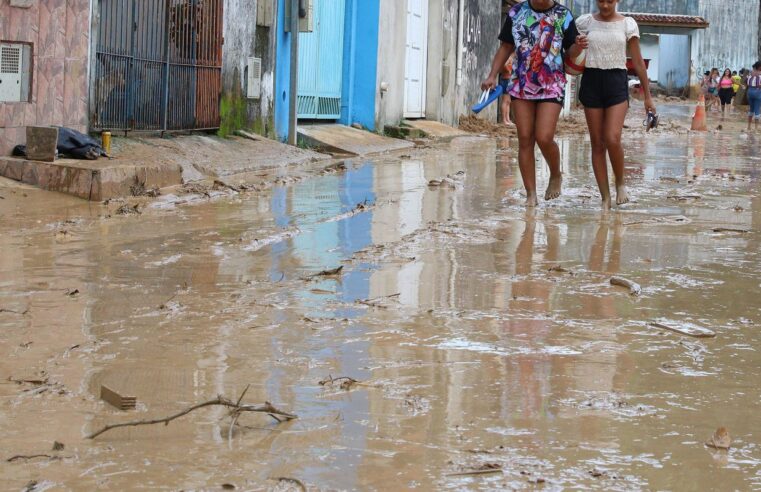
[235,410]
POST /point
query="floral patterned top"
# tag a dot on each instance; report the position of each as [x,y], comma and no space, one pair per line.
[540,38]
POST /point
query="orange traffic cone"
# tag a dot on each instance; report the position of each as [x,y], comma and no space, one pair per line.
[699,119]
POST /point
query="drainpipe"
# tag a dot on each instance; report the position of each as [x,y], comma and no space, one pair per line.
[460,38]
[294,83]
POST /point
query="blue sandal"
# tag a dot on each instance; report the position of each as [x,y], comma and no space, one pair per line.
[487,98]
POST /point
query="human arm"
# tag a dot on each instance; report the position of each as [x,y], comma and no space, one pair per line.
[575,41]
[641,70]
[500,58]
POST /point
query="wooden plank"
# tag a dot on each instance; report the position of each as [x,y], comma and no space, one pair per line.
[121,402]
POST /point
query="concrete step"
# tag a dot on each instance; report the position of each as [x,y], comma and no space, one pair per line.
[341,139]
[435,129]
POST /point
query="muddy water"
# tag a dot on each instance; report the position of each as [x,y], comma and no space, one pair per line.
[472,354]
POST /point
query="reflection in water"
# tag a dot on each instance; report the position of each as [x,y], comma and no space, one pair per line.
[473,350]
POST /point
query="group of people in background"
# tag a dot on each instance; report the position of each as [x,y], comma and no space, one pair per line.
[720,89]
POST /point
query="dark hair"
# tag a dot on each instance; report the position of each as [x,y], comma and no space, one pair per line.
[734,73]
[707,72]
[757,65]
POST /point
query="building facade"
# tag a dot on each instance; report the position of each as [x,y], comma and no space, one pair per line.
[44,48]
[434,55]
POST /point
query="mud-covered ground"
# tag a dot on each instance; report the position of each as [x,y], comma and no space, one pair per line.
[485,344]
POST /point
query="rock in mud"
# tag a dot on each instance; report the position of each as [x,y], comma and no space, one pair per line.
[634,287]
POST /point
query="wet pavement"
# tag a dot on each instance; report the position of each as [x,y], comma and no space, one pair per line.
[489,347]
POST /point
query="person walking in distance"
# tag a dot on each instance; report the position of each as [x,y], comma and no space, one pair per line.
[539,32]
[505,76]
[726,92]
[604,90]
[754,95]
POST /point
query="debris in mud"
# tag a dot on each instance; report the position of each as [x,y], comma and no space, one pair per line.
[668,220]
[738,208]
[731,229]
[682,198]
[560,269]
[139,189]
[634,288]
[327,273]
[228,486]
[669,179]
[684,328]
[345,382]
[58,446]
[196,188]
[27,457]
[72,293]
[236,409]
[484,469]
[294,481]
[376,302]
[449,181]
[115,399]
[334,168]
[720,439]
[11,311]
[127,209]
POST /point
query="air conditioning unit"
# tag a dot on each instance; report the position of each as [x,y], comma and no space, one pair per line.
[11,58]
[254,78]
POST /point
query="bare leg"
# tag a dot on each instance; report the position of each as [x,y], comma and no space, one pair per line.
[595,118]
[547,115]
[614,125]
[525,117]
[505,110]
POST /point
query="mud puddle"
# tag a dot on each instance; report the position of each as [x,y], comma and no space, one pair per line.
[487,347]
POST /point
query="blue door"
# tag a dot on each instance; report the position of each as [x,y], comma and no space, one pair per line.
[321,62]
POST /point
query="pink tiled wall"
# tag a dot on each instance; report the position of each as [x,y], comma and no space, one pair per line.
[60,33]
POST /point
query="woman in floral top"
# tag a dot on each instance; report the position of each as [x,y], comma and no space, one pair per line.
[539,32]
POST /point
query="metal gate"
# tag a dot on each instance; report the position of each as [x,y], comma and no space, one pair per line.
[321,62]
[158,65]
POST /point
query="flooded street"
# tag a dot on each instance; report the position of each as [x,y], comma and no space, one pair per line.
[485,344]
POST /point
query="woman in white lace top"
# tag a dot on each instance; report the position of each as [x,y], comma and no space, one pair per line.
[605,91]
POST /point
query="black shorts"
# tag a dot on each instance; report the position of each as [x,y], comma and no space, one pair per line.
[604,88]
[726,94]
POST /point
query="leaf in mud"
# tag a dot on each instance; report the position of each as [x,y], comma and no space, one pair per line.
[720,439]
[72,293]
[228,486]
[58,446]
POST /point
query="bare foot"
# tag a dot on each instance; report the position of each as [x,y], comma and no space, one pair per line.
[606,203]
[554,188]
[621,195]
[531,200]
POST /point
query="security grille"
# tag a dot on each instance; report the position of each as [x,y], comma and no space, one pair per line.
[11,73]
[159,65]
[10,59]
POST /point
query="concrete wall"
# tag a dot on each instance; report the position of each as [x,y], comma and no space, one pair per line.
[243,38]
[59,33]
[446,99]
[678,7]
[731,41]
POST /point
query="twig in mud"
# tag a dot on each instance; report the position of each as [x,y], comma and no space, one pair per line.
[164,304]
[36,382]
[374,302]
[236,410]
[28,457]
[560,269]
[682,198]
[731,229]
[485,471]
[296,481]
[634,287]
[22,313]
[346,382]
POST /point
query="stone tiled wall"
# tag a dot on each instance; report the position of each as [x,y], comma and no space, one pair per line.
[60,33]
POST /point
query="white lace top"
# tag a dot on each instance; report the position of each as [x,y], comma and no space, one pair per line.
[607,40]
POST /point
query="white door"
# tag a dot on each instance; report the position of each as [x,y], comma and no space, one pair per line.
[416,57]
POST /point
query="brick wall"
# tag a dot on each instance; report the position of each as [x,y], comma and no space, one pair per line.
[59,31]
